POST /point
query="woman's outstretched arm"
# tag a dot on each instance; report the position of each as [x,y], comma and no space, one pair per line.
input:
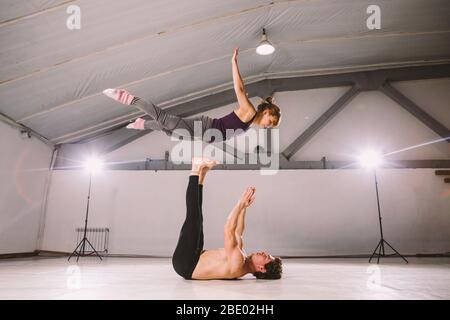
[246,108]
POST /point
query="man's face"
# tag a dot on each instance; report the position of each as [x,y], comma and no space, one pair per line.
[260,259]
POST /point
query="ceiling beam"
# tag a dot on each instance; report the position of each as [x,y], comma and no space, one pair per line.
[166,165]
[24,129]
[301,140]
[364,80]
[416,111]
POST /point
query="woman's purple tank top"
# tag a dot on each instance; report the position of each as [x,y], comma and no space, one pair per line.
[230,121]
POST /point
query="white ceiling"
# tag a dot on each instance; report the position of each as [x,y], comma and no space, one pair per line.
[51,78]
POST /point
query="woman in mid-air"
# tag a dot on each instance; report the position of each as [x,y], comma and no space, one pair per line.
[266,115]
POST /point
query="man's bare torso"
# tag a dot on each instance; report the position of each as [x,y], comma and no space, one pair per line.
[215,264]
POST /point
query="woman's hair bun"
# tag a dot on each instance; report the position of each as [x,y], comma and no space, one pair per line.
[269,100]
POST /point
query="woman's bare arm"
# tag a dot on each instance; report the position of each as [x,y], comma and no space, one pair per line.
[246,108]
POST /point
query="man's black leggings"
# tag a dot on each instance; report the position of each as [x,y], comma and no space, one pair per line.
[190,242]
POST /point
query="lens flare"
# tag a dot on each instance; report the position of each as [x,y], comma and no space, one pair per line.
[370,159]
[93,165]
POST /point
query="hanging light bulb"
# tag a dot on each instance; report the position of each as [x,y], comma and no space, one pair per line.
[265,47]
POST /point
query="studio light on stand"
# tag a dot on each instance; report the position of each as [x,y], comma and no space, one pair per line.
[372,160]
[92,166]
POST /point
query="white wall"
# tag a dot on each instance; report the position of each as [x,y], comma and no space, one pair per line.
[303,212]
[24,167]
[297,212]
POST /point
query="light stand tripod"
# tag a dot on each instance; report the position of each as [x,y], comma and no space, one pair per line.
[380,245]
[82,244]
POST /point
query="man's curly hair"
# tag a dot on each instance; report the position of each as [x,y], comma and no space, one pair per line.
[274,270]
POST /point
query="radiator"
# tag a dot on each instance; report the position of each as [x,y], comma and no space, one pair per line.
[98,237]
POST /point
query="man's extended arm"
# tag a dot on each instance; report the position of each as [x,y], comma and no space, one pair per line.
[234,227]
[241,223]
[230,227]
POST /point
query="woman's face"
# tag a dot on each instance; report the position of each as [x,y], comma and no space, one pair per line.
[267,120]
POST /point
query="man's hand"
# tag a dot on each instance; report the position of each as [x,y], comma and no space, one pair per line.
[247,197]
[235,54]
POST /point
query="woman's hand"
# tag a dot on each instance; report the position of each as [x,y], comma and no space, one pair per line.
[235,54]
[247,197]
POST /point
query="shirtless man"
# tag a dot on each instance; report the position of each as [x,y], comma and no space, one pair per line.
[193,263]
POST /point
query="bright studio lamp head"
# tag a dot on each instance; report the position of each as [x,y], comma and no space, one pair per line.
[265,47]
[93,165]
[371,159]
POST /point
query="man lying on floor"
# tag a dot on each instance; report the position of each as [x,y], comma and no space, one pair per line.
[192,262]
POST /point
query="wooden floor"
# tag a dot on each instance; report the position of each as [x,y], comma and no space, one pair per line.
[154,278]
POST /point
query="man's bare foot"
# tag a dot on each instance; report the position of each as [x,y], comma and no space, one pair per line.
[207,165]
[204,168]
[196,163]
[202,165]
